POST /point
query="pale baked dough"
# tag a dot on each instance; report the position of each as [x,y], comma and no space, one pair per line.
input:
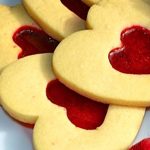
[12,18]
[23,95]
[55,19]
[81,60]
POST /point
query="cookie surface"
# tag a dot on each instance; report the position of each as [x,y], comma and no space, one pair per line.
[27,102]
[54,17]
[85,67]
[12,18]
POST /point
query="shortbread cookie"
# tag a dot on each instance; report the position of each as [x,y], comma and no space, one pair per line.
[12,18]
[23,94]
[85,61]
[56,19]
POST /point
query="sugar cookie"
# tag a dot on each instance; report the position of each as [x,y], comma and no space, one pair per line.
[11,19]
[27,102]
[54,17]
[81,61]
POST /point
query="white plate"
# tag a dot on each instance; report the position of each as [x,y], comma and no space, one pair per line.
[13,136]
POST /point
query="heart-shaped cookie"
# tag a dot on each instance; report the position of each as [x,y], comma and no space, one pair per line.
[28,102]
[81,61]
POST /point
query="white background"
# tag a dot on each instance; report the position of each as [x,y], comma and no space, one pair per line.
[13,136]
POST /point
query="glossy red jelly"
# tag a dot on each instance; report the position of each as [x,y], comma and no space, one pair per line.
[33,41]
[81,111]
[77,6]
[133,57]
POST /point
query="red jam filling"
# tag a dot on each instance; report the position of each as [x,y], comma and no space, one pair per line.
[81,111]
[133,57]
[77,6]
[33,41]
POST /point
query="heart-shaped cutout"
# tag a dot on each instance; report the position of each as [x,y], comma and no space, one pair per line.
[81,111]
[33,41]
[133,57]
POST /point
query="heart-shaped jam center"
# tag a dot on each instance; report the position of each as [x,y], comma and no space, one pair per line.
[133,57]
[77,6]
[33,41]
[81,111]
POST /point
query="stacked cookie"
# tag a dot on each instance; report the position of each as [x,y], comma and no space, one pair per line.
[36,89]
